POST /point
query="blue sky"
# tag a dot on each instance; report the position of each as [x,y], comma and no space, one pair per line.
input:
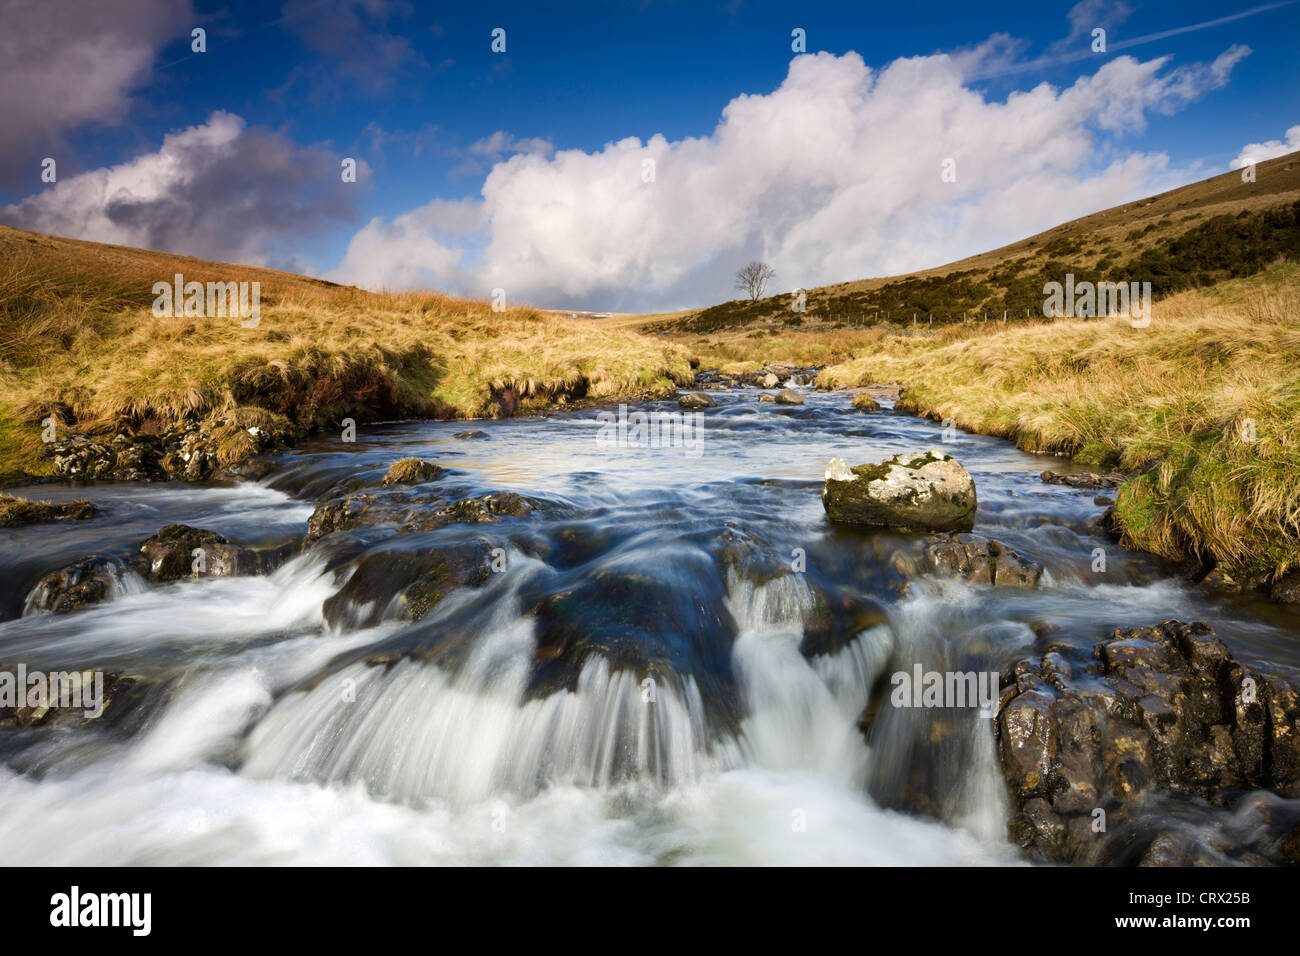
[414,92]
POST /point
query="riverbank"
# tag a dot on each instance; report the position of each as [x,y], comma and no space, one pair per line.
[1202,408]
[80,344]
[501,610]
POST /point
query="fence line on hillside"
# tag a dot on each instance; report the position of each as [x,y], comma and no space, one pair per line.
[926,319]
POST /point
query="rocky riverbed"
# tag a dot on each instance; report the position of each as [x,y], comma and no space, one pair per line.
[650,652]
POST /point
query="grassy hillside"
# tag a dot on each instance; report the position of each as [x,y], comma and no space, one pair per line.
[1204,405]
[78,341]
[1189,237]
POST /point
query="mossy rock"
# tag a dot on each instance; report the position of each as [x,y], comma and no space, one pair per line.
[412,471]
[419,577]
[919,491]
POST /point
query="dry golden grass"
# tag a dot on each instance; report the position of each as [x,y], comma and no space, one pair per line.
[78,340]
[1205,403]
[16,511]
[746,350]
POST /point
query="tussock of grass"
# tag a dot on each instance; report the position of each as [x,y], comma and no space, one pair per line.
[1175,402]
[16,511]
[79,342]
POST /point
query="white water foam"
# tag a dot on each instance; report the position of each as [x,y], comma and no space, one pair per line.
[427,766]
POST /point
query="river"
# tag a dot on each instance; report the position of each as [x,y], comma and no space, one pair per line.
[667,666]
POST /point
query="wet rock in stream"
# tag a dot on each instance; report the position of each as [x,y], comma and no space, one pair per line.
[349,512]
[180,551]
[406,583]
[412,471]
[1286,589]
[70,698]
[1084,479]
[658,622]
[979,560]
[83,583]
[413,512]
[1161,710]
[918,491]
[15,511]
[175,552]
[695,400]
[221,446]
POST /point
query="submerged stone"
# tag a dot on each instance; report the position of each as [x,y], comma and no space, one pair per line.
[86,582]
[979,560]
[694,400]
[404,583]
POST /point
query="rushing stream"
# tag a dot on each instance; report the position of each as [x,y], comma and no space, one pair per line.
[667,665]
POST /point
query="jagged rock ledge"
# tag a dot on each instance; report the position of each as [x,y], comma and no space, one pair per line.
[1162,710]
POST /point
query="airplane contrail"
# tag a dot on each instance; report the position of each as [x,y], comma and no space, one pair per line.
[1045,61]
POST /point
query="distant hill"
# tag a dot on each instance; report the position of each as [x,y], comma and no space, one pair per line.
[1188,237]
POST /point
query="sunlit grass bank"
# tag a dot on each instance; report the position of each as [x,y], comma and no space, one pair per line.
[79,342]
[1204,405]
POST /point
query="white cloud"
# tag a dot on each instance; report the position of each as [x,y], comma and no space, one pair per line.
[1258,152]
[833,176]
[502,143]
[1086,16]
[65,65]
[415,250]
[219,190]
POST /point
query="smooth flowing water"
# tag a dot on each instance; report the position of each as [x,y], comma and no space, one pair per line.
[668,664]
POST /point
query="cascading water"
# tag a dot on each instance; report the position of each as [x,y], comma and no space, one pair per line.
[650,678]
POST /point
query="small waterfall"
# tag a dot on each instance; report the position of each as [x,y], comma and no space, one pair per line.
[802,714]
[412,731]
[467,735]
[943,760]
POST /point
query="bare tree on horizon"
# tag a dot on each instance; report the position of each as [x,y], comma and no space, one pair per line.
[753,279]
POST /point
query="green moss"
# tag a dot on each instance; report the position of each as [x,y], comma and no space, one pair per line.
[409,471]
[1099,453]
